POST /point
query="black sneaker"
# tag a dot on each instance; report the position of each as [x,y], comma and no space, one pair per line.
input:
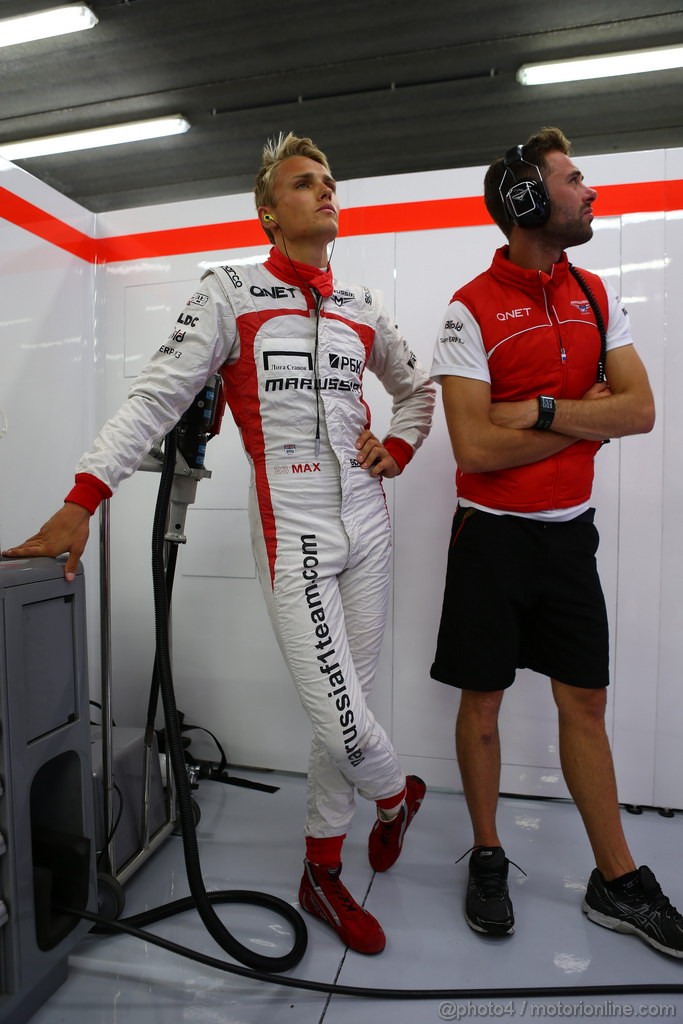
[638,908]
[488,907]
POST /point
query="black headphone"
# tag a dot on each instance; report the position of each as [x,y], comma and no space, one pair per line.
[526,199]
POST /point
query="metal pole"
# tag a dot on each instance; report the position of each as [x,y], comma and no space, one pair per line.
[106,686]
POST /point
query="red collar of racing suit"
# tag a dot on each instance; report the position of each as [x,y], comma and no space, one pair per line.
[528,280]
[297,273]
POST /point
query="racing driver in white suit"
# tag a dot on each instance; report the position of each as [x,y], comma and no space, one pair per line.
[291,344]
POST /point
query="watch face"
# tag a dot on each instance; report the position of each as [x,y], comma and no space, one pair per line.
[546,412]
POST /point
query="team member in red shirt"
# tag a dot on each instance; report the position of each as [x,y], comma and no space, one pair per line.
[538,367]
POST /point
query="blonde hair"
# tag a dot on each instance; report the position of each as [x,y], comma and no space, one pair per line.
[276,150]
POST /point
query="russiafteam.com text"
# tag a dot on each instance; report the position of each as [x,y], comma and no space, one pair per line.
[527,1008]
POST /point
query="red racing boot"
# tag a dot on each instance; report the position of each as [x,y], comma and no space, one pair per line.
[323,894]
[386,837]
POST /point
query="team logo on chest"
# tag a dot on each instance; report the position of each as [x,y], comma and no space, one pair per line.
[276,292]
[340,296]
[287,369]
[338,362]
[283,361]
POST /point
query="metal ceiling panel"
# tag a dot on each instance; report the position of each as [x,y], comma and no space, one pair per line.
[382,87]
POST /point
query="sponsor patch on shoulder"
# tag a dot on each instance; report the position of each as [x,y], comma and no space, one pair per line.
[198,299]
[234,276]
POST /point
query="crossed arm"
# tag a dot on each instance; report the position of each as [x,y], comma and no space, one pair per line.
[487,437]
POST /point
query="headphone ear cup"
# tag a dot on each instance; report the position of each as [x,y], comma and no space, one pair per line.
[528,203]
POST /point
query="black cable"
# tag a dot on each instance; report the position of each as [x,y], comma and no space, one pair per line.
[223,763]
[597,313]
[353,990]
[316,367]
[153,702]
[175,751]
[94,703]
[114,827]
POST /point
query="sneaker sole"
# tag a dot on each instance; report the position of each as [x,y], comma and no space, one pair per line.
[497,931]
[626,928]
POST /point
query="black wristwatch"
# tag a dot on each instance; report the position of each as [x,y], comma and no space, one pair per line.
[546,412]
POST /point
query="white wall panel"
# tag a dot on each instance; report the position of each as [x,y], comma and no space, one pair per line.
[669,693]
[621,169]
[162,217]
[640,523]
[47,366]
[416,187]
[216,579]
[429,265]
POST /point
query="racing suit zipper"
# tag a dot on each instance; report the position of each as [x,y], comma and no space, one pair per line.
[552,318]
[316,367]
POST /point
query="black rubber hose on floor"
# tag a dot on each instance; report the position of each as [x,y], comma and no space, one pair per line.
[212,922]
[566,991]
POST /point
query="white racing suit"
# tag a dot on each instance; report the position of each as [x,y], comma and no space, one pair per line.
[292,362]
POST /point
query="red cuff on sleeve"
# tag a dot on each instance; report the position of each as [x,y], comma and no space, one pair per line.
[399,450]
[88,492]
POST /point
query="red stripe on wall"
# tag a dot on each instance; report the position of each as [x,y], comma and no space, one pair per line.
[176,241]
[36,221]
[642,197]
[420,216]
[426,215]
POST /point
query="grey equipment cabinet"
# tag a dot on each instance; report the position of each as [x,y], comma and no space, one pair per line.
[47,855]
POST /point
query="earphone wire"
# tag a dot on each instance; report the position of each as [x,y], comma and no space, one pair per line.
[597,313]
[316,363]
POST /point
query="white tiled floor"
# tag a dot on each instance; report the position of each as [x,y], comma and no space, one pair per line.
[252,840]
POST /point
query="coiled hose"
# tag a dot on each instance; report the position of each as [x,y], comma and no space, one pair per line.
[203,900]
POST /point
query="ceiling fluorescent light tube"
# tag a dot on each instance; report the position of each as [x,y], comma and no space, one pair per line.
[45,24]
[661,58]
[113,135]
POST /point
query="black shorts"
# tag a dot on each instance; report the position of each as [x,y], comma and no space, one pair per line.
[521,593]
